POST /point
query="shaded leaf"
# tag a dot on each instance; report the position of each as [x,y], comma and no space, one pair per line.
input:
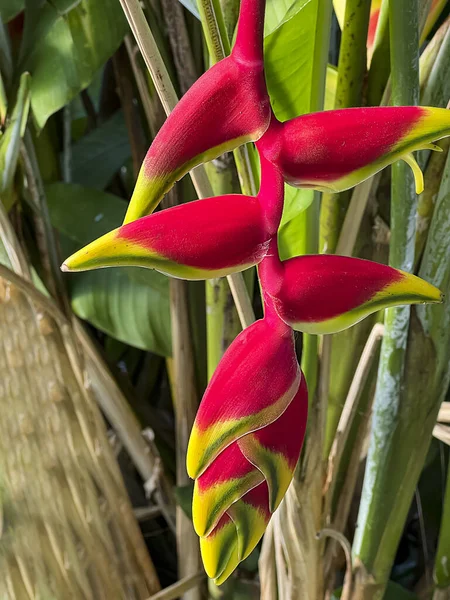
[74,46]
[130,304]
[183,495]
[83,214]
[100,154]
[10,8]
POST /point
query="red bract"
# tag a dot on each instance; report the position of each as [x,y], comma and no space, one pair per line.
[225,108]
[337,149]
[256,380]
[324,294]
[199,240]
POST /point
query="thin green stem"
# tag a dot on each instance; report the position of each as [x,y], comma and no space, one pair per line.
[376,542]
[168,97]
[351,70]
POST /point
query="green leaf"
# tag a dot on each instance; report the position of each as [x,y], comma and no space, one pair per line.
[9,9]
[10,141]
[276,11]
[74,46]
[83,214]
[289,52]
[100,154]
[183,495]
[290,234]
[130,304]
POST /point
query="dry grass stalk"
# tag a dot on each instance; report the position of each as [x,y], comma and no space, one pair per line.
[68,528]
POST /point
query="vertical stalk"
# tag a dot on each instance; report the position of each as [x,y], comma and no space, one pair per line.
[351,70]
[222,322]
[377,536]
[441,572]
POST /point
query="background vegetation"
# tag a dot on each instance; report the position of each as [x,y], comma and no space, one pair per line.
[107,367]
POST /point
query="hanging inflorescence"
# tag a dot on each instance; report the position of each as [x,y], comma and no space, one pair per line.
[250,426]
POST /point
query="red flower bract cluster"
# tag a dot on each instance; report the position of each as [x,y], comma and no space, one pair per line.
[249,430]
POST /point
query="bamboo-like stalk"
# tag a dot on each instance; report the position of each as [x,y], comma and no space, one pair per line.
[184,392]
[386,495]
[351,69]
[222,322]
[168,97]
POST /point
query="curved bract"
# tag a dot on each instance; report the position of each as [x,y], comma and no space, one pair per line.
[256,380]
[324,294]
[226,107]
[199,240]
[237,494]
[337,149]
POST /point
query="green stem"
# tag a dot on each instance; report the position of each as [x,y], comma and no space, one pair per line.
[222,322]
[376,542]
[442,561]
[351,70]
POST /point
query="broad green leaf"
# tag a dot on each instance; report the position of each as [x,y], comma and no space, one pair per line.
[289,51]
[100,154]
[276,11]
[81,213]
[9,9]
[74,47]
[40,15]
[130,304]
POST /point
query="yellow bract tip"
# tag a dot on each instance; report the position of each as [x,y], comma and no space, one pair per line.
[417,172]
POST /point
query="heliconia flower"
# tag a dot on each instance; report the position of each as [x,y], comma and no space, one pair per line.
[225,108]
[336,150]
[253,385]
[268,454]
[323,294]
[198,240]
[236,495]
